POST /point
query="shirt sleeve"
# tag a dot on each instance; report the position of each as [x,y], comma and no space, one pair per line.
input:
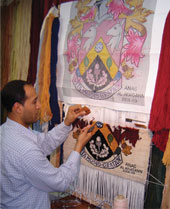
[40,173]
[49,141]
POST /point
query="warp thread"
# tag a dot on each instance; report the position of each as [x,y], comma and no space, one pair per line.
[98,186]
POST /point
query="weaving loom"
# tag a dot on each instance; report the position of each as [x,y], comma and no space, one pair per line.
[105,60]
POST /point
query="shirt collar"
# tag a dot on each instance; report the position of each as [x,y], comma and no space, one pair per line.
[17,126]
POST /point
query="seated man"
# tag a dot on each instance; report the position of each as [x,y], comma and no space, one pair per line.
[26,174]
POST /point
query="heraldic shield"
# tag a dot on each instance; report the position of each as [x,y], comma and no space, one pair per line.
[103,149]
[97,74]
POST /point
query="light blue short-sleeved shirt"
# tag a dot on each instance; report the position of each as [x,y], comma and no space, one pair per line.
[26,175]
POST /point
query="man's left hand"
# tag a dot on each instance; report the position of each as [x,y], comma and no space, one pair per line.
[73,113]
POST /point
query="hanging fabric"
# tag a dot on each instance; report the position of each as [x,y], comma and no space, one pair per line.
[104,58]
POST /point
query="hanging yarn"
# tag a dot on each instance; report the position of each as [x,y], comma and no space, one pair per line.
[160,112]
[20,46]
[15,44]
[166,191]
[7,14]
[44,72]
[166,156]
[120,202]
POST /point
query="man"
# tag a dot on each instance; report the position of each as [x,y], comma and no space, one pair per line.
[26,175]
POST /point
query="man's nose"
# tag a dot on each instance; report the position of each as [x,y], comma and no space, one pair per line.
[38,104]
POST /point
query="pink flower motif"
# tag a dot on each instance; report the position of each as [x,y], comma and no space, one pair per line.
[133,50]
[73,46]
[116,7]
[89,15]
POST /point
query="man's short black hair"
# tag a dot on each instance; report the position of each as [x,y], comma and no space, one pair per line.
[13,92]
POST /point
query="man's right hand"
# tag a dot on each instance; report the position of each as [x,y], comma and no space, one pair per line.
[83,138]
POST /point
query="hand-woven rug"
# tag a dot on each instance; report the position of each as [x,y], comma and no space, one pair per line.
[114,161]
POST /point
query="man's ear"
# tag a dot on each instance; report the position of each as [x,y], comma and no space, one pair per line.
[17,108]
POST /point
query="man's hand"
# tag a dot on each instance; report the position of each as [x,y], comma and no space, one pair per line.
[73,113]
[83,138]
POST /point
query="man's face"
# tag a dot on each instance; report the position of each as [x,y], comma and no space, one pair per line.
[31,107]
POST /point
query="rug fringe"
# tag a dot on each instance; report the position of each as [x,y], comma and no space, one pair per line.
[98,186]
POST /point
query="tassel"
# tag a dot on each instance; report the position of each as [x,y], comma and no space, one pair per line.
[166,156]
